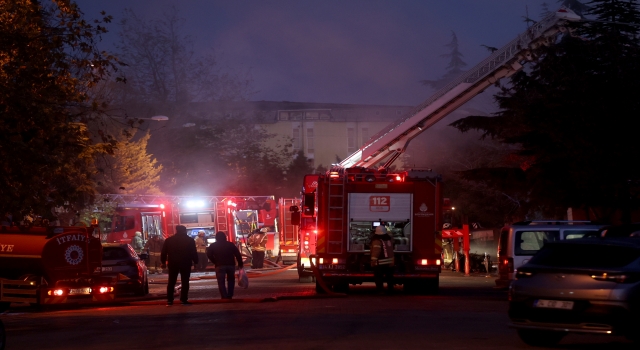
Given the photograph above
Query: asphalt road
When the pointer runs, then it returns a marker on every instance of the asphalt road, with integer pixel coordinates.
(278, 312)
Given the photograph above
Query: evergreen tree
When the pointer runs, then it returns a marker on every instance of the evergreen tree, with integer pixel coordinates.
(296, 171)
(454, 68)
(568, 114)
(130, 169)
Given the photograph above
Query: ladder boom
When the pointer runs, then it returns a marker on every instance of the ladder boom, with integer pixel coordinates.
(394, 139)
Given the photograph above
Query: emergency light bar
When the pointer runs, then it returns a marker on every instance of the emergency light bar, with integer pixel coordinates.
(195, 203)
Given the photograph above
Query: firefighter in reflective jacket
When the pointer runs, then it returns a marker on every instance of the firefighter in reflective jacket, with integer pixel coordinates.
(154, 247)
(137, 243)
(258, 244)
(201, 248)
(382, 259)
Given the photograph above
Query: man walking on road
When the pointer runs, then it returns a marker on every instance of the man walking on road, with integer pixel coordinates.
(223, 254)
(180, 249)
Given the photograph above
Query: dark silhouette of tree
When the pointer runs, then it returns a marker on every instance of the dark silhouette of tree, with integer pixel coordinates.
(49, 64)
(568, 115)
(454, 68)
(162, 66)
(296, 171)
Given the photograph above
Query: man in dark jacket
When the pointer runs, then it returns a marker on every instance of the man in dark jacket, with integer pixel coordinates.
(181, 252)
(224, 255)
(382, 259)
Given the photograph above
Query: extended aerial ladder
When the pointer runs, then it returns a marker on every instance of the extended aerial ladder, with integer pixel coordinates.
(392, 141)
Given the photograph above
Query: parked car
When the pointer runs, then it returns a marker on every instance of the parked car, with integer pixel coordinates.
(583, 286)
(120, 260)
(520, 241)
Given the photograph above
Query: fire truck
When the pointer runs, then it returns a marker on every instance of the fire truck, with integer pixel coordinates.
(360, 193)
(52, 265)
(159, 214)
(289, 233)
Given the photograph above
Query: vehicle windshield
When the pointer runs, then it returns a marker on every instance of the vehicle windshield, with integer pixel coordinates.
(585, 255)
(114, 253)
(529, 242)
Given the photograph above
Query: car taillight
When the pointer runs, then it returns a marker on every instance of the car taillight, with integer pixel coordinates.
(617, 278)
(507, 263)
(424, 262)
(102, 289)
(523, 274)
(56, 292)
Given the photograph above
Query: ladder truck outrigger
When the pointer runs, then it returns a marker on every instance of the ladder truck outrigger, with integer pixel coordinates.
(357, 195)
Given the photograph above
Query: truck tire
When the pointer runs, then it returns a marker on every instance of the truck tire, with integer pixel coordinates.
(299, 266)
(429, 286)
(341, 287)
(3, 336)
(432, 286)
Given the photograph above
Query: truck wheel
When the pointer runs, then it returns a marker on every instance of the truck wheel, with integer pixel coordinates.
(299, 266)
(341, 287)
(540, 338)
(3, 336)
(431, 286)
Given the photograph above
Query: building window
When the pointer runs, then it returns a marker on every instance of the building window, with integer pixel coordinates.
(351, 140)
(365, 135)
(283, 115)
(296, 138)
(310, 147)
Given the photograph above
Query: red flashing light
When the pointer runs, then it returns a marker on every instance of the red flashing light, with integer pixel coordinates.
(161, 206)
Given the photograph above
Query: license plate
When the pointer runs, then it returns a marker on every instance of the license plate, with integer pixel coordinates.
(79, 291)
(107, 268)
(332, 267)
(554, 304)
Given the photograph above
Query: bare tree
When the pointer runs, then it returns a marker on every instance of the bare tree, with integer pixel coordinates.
(162, 66)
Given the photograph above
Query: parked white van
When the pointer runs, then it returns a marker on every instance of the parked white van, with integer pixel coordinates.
(520, 241)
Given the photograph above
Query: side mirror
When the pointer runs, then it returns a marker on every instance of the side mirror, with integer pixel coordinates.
(295, 218)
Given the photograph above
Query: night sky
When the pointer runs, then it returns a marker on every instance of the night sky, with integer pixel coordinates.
(338, 51)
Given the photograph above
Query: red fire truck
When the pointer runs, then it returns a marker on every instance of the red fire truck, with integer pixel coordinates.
(348, 203)
(289, 239)
(151, 214)
(51, 265)
(360, 193)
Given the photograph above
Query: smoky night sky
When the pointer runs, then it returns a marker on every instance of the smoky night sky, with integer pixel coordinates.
(338, 51)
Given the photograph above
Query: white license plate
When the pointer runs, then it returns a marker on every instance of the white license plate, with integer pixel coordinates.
(79, 291)
(554, 304)
(332, 267)
(107, 268)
